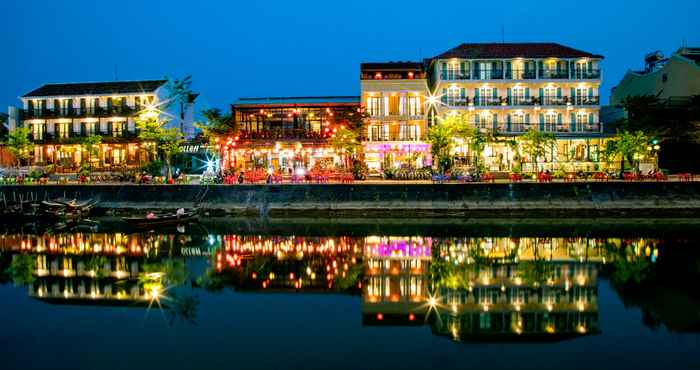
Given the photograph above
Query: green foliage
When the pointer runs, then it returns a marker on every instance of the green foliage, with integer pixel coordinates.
(216, 124)
(19, 144)
(168, 140)
(346, 141)
(440, 138)
(629, 146)
(153, 168)
(21, 269)
(536, 143)
(91, 145)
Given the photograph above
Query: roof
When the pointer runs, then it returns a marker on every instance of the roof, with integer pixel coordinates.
(304, 100)
(515, 50)
(392, 66)
(97, 88)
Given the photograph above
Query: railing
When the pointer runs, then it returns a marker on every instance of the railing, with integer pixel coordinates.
(453, 76)
(409, 137)
(78, 112)
(488, 102)
(586, 100)
(521, 74)
(520, 128)
(299, 134)
(456, 102)
(518, 101)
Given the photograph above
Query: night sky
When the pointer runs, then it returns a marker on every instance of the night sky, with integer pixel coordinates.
(306, 48)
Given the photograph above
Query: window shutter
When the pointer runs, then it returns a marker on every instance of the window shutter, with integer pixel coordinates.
(573, 94)
(56, 105)
(560, 119)
(509, 69)
(476, 97)
(30, 105)
(590, 93)
(477, 67)
(590, 118)
(510, 97)
(444, 96)
(559, 92)
(527, 93)
(495, 93)
(462, 68)
(443, 71)
(527, 119)
(495, 121)
(541, 95)
(590, 67)
(572, 124)
(462, 93)
(541, 122)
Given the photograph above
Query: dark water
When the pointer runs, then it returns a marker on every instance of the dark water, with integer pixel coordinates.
(353, 296)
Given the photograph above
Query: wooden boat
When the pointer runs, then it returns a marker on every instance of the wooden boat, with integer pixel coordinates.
(164, 219)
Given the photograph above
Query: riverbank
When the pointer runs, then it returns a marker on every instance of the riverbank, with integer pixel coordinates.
(583, 199)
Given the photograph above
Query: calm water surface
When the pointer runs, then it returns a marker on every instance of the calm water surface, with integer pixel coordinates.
(350, 298)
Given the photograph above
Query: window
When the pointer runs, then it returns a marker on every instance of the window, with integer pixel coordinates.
(38, 130)
(63, 130)
(518, 123)
(89, 128)
(549, 95)
(408, 132)
(373, 106)
(581, 95)
(550, 122)
(486, 96)
(117, 129)
(517, 95)
(414, 105)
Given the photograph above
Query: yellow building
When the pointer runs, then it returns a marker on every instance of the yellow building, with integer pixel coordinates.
(511, 88)
(677, 77)
(393, 95)
(59, 116)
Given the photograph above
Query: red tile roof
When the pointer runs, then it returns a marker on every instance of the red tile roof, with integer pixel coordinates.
(515, 50)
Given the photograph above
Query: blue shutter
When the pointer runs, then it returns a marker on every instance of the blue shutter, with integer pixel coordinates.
(573, 95)
(509, 69)
(462, 69)
(572, 124)
(476, 70)
(508, 122)
(495, 121)
(590, 93)
(476, 97)
(590, 67)
(541, 122)
(527, 119)
(558, 92)
(590, 118)
(443, 72)
(510, 97)
(495, 93)
(527, 93)
(444, 96)
(560, 119)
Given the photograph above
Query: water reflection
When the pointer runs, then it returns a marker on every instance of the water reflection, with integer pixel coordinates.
(463, 288)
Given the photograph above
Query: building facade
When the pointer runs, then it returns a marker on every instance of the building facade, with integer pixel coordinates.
(60, 116)
(286, 134)
(508, 89)
(669, 79)
(394, 96)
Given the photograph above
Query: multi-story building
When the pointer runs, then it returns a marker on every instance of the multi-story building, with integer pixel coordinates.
(286, 134)
(393, 96)
(59, 116)
(670, 79)
(511, 88)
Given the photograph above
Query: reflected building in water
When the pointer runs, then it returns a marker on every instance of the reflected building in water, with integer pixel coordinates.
(465, 288)
(485, 288)
(99, 268)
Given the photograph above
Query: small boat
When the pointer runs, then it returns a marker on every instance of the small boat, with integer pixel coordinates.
(163, 219)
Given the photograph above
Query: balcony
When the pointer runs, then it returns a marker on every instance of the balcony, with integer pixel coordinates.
(521, 74)
(394, 137)
(396, 117)
(455, 76)
(586, 100)
(488, 74)
(557, 129)
(488, 102)
(281, 134)
(78, 112)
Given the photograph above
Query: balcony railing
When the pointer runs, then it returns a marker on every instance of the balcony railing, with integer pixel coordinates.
(488, 102)
(280, 134)
(520, 128)
(522, 74)
(396, 116)
(407, 137)
(79, 112)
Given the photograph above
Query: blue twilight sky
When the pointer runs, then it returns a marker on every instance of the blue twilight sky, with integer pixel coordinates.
(301, 48)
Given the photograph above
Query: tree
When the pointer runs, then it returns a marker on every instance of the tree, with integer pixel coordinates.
(347, 142)
(179, 92)
(91, 145)
(536, 143)
(19, 144)
(168, 141)
(216, 124)
(3, 127)
(440, 138)
(630, 146)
